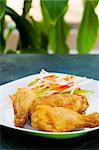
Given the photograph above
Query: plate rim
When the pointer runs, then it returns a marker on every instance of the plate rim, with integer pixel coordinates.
(51, 133)
(27, 76)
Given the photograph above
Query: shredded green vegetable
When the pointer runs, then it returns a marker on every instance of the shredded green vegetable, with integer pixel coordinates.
(41, 93)
(83, 91)
(78, 91)
(33, 82)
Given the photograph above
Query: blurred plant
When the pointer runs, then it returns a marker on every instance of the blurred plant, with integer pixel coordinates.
(89, 27)
(52, 32)
(2, 12)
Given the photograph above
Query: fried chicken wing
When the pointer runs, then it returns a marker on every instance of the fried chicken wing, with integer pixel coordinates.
(22, 101)
(78, 103)
(59, 119)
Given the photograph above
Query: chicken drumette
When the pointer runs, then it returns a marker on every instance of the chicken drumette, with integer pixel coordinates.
(22, 101)
(78, 103)
(59, 119)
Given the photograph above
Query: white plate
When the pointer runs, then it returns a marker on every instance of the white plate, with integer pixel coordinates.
(7, 115)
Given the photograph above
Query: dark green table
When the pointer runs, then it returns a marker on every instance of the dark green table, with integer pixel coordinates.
(13, 67)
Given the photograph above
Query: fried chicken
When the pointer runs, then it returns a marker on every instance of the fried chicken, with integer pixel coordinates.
(78, 103)
(22, 101)
(59, 119)
(56, 112)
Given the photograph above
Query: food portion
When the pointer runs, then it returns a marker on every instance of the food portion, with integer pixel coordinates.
(22, 101)
(55, 103)
(59, 119)
(78, 103)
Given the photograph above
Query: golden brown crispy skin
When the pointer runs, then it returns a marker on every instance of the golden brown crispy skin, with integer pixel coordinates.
(22, 102)
(59, 119)
(78, 103)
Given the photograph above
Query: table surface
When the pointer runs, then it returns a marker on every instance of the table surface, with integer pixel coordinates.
(13, 67)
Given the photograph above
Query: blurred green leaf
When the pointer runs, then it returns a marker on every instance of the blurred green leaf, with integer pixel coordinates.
(2, 8)
(11, 51)
(39, 51)
(26, 7)
(24, 51)
(2, 12)
(44, 40)
(46, 19)
(11, 26)
(41, 33)
(27, 32)
(2, 44)
(54, 9)
(2, 41)
(88, 30)
(57, 37)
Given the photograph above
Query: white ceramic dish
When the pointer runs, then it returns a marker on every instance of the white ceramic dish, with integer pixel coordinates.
(7, 116)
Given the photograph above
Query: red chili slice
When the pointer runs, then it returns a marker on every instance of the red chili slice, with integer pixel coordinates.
(63, 87)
